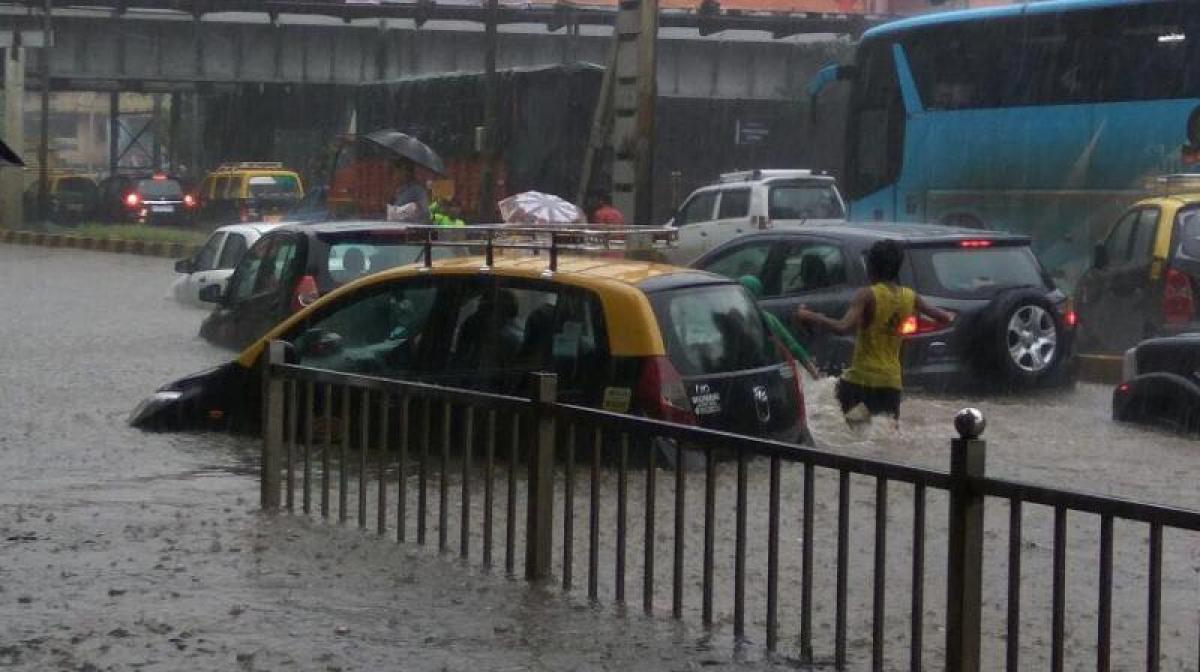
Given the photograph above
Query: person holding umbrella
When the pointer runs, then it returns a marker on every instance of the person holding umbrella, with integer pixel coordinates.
(412, 193)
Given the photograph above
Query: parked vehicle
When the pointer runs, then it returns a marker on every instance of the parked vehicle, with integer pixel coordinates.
(249, 191)
(1143, 279)
(1160, 383)
(749, 201)
(292, 265)
(214, 263)
(1012, 326)
(155, 198)
(70, 198)
(637, 337)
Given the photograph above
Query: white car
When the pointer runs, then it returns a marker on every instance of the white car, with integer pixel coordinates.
(214, 263)
(756, 200)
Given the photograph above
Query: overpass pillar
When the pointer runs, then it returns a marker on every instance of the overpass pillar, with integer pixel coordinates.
(12, 127)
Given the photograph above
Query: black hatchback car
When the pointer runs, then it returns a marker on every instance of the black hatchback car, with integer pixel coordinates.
(147, 199)
(1160, 384)
(293, 265)
(1012, 325)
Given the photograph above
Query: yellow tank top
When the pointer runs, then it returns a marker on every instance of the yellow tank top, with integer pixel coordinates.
(876, 359)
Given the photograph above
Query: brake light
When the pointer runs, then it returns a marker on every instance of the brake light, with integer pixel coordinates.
(306, 292)
(914, 325)
(189, 200)
(660, 392)
(1179, 306)
(132, 200)
(160, 176)
(974, 243)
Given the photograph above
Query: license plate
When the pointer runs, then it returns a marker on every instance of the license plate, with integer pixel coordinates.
(162, 208)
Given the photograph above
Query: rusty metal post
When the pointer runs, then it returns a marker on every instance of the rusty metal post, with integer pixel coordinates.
(539, 525)
(272, 447)
(964, 566)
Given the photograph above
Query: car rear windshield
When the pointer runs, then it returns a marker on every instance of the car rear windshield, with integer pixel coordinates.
(975, 272)
(274, 185)
(160, 189)
(804, 200)
(713, 329)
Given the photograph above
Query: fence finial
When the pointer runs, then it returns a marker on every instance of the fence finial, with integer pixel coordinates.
(970, 423)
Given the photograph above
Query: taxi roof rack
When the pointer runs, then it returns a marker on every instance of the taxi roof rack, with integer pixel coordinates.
(249, 165)
(532, 237)
(1176, 183)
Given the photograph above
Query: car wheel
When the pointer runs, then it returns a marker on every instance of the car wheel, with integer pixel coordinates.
(1022, 338)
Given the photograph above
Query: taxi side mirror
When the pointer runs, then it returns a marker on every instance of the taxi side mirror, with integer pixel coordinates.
(211, 294)
(1099, 257)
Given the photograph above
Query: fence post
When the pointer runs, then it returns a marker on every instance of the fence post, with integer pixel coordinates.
(539, 522)
(272, 446)
(964, 567)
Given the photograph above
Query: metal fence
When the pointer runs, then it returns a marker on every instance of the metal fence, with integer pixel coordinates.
(384, 447)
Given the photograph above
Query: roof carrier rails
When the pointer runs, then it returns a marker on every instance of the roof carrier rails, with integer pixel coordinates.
(553, 238)
(250, 165)
(1165, 185)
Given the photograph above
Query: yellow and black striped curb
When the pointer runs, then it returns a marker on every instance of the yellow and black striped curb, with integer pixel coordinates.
(142, 247)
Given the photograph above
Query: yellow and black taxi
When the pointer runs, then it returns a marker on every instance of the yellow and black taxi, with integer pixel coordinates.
(249, 191)
(628, 336)
(70, 197)
(1143, 279)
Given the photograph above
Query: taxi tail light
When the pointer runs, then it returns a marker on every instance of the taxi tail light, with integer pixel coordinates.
(306, 292)
(1179, 305)
(189, 200)
(801, 412)
(918, 325)
(661, 393)
(132, 200)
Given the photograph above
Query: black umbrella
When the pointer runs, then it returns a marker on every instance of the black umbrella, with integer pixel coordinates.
(408, 147)
(8, 156)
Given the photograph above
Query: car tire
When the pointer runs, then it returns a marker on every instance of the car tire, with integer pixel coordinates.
(1021, 338)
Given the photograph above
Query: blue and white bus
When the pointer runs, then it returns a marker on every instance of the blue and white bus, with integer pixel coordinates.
(1044, 118)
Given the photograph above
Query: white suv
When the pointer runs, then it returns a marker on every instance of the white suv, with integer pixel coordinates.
(749, 201)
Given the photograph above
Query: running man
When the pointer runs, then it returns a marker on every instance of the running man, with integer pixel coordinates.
(872, 384)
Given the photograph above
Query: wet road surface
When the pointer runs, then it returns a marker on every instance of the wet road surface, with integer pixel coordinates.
(124, 549)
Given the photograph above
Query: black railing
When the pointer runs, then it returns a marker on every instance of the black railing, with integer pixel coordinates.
(545, 453)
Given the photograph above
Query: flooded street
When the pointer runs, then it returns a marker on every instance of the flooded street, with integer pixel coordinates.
(125, 550)
(122, 550)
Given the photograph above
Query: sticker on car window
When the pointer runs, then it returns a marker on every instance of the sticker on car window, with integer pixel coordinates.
(616, 399)
(705, 401)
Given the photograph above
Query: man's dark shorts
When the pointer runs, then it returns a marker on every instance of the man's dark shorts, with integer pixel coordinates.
(878, 400)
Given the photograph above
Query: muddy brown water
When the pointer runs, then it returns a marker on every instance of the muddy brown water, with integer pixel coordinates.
(123, 550)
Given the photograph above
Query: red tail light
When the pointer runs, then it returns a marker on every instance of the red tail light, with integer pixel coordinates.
(1179, 306)
(660, 392)
(915, 325)
(306, 292)
(975, 243)
(189, 200)
(132, 200)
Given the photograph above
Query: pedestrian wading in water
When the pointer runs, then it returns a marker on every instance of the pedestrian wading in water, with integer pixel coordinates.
(872, 385)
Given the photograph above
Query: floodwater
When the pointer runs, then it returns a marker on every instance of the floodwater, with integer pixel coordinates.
(122, 550)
